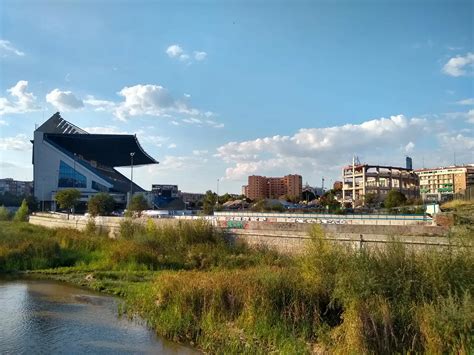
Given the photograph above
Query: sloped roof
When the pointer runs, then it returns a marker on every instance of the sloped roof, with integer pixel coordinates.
(108, 149)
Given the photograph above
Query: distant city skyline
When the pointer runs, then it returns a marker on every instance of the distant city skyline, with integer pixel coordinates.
(227, 90)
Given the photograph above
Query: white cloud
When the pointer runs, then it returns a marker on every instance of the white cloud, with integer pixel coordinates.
(174, 51)
(319, 147)
(409, 147)
(99, 105)
(457, 141)
(459, 65)
(105, 130)
(467, 102)
(178, 163)
(64, 100)
(177, 52)
(7, 48)
(152, 100)
(23, 101)
(200, 56)
(470, 116)
(3, 123)
(200, 152)
(20, 142)
(171, 146)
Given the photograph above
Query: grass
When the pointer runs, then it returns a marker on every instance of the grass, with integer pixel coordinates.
(191, 286)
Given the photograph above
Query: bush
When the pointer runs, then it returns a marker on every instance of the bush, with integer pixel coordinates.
(394, 199)
(138, 204)
(21, 214)
(68, 198)
(5, 214)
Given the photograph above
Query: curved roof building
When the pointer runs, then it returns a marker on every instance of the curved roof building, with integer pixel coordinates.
(66, 156)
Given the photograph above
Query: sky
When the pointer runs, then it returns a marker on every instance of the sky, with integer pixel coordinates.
(217, 91)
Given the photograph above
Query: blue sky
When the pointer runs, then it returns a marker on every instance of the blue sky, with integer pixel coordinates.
(223, 90)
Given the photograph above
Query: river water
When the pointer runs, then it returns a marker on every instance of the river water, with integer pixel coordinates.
(44, 317)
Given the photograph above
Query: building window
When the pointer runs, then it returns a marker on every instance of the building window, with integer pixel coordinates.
(68, 177)
(99, 187)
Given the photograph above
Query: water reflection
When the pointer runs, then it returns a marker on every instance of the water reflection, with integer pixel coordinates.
(49, 317)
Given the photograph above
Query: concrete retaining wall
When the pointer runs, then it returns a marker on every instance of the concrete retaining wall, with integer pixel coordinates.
(283, 236)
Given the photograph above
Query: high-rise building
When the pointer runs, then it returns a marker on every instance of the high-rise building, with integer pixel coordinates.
(273, 187)
(439, 184)
(409, 163)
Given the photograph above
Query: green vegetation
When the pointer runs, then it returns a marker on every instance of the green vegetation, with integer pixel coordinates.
(5, 214)
(190, 285)
(138, 204)
(209, 202)
(67, 199)
(21, 214)
(101, 204)
(394, 199)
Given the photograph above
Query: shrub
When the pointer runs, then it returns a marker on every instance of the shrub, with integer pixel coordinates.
(394, 199)
(5, 214)
(138, 204)
(21, 214)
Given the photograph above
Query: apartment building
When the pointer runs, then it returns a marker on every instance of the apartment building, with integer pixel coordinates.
(439, 184)
(15, 187)
(273, 187)
(362, 179)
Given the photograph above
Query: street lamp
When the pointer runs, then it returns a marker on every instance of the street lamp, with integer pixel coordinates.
(131, 178)
(217, 201)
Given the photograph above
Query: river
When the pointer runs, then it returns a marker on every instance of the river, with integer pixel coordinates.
(38, 316)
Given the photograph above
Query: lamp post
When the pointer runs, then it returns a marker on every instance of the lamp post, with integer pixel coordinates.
(74, 177)
(217, 201)
(131, 178)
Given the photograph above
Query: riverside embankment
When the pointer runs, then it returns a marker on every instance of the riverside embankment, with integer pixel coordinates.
(192, 286)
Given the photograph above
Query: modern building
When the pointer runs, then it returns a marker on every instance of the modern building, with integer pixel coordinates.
(440, 184)
(360, 180)
(15, 187)
(66, 156)
(166, 197)
(273, 187)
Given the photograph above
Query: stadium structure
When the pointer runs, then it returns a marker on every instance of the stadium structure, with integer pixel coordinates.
(66, 156)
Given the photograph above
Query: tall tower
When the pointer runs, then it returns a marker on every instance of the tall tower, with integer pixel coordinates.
(409, 163)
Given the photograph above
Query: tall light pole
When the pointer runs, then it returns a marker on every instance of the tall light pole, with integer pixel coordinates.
(74, 178)
(131, 178)
(217, 201)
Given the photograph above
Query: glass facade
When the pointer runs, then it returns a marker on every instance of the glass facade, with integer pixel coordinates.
(68, 177)
(99, 187)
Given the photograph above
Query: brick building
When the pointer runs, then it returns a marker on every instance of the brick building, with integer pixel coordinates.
(273, 187)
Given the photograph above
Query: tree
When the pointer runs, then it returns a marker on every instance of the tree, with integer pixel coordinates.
(329, 200)
(101, 204)
(4, 214)
(394, 199)
(209, 202)
(21, 214)
(68, 198)
(371, 198)
(138, 204)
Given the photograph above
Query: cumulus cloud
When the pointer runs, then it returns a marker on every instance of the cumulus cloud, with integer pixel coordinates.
(172, 146)
(20, 142)
(318, 147)
(21, 100)
(459, 65)
(177, 52)
(64, 100)
(105, 130)
(178, 163)
(450, 141)
(3, 123)
(174, 51)
(7, 48)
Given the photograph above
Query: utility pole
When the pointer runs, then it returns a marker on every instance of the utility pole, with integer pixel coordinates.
(217, 201)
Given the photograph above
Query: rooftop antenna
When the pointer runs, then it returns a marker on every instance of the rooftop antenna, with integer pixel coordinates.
(322, 183)
(454, 153)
